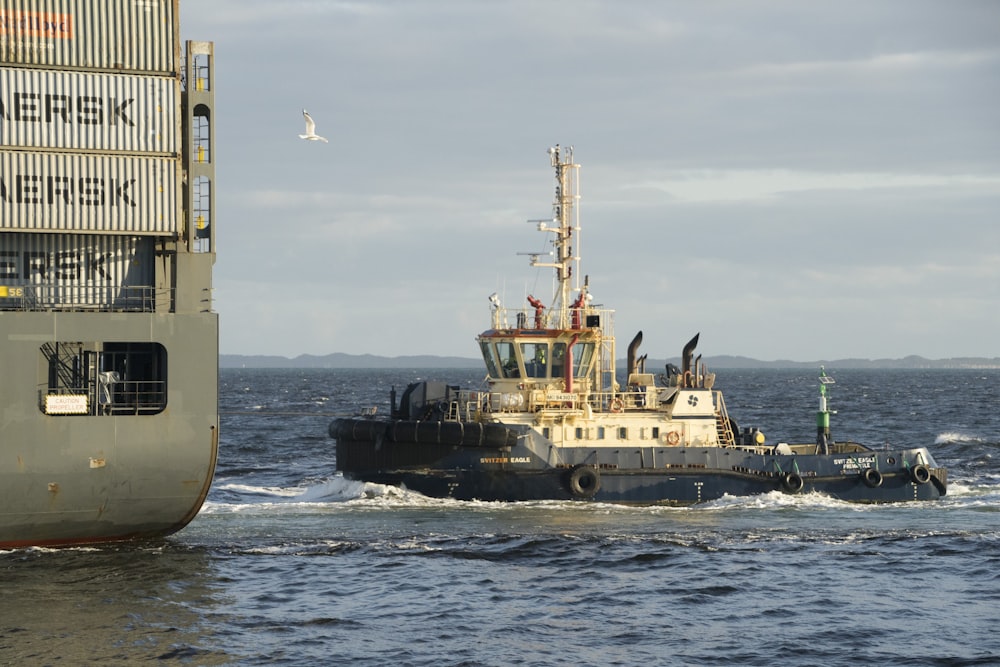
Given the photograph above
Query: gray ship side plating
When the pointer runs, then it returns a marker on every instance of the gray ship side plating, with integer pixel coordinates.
(68, 478)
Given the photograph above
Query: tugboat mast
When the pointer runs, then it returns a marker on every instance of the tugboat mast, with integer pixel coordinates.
(566, 215)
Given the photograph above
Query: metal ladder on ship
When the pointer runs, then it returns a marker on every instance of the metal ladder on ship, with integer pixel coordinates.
(722, 424)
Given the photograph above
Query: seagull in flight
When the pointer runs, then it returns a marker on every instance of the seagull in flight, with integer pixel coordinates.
(311, 129)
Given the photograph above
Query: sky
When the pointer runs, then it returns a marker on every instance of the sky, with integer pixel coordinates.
(795, 181)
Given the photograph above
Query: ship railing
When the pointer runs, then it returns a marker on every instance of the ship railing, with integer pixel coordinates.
(552, 318)
(136, 397)
(34, 298)
(467, 404)
(124, 397)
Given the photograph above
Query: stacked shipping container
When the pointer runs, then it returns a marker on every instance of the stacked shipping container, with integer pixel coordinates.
(90, 147)
(138, 36)
(88, 111)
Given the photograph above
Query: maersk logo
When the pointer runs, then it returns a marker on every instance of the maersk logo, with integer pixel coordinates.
(77, 265)
(68, 265)
(22, 107)
(64, 190)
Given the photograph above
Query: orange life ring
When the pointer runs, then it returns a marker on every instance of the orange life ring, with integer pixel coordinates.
(617, 405)
(673, 438)
(687, 379)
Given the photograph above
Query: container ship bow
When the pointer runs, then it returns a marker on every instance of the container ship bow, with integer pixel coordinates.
(108, 338)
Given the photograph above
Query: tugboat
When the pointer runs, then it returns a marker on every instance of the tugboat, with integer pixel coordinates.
(552, 423)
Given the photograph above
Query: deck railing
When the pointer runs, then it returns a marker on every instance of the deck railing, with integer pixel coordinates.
(467, 403)
(84, 298)
(125, 397)
(549, 318)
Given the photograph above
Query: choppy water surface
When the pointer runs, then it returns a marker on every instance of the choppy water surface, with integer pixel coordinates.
(289, 563)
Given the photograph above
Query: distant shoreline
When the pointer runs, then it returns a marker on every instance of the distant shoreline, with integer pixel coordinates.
(340, 360)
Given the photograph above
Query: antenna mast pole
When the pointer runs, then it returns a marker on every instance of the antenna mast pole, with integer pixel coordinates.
(566, 215)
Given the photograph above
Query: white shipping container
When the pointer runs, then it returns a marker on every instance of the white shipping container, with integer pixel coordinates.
(119, 35)
(62, 192)
(76, 270)
(88, 111)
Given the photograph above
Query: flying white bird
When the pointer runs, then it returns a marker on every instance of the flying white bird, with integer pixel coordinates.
(311, 129)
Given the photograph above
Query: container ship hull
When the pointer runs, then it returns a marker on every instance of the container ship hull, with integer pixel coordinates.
(129, 469)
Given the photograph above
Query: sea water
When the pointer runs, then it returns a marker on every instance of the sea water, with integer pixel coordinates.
(290, 564)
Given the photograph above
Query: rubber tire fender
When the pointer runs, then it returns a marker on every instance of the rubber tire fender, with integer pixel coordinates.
(584, 481)
(872, 478)
(792, 482)
(920, 474)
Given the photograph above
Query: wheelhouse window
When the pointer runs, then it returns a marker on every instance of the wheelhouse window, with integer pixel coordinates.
(103, 378)
(501, 359)
(583, 357)
(490, 357)
(536, 357)
(558, 359)
(507, 356)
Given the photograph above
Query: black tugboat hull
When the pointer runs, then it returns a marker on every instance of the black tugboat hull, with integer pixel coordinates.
(635, 487)
(510, 469)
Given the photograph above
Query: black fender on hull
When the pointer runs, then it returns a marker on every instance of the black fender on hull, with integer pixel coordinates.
(872, 478)
(463, 434)
(792, 482)
(584, 481)
(920, 474)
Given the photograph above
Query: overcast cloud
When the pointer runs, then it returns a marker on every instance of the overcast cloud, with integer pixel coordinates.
(793, 180)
